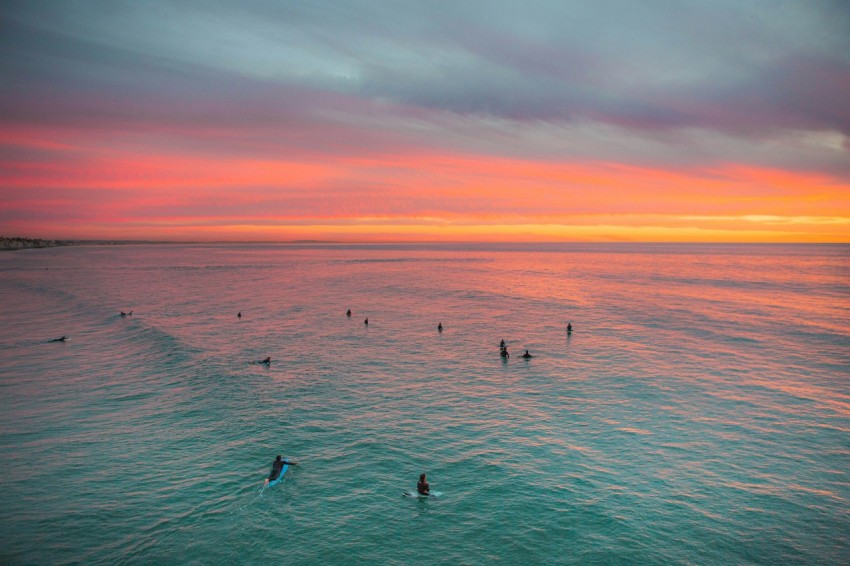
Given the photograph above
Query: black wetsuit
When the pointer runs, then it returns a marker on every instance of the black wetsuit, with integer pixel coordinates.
(423, 488)
(277, 466)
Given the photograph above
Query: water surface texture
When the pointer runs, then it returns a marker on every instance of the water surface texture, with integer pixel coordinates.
(699, 412)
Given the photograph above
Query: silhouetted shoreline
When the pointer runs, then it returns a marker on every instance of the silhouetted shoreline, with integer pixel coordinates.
(18, 243)
(11, 244)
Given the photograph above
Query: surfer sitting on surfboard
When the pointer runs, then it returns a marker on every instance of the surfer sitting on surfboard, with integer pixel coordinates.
(422, 487)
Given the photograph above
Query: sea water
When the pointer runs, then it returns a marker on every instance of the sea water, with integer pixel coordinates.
(699, 413)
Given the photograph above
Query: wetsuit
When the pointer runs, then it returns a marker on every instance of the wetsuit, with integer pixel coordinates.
(423, 488)
(277, 466)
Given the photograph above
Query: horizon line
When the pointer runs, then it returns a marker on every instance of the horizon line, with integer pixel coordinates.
(110, 241)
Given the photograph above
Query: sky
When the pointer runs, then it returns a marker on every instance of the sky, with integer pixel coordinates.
(561, 120)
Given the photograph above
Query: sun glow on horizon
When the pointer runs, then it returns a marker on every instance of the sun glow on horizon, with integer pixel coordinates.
(444, 198)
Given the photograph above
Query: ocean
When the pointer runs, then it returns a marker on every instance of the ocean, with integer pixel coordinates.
(699, 413)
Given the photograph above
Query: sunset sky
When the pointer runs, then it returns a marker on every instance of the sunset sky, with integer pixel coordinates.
(557, 120)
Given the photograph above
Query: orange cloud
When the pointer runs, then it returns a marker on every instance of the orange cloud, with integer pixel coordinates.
(114, 193)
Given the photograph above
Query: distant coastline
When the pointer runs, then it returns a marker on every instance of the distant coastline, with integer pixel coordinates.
(10, 244)
(19, 243)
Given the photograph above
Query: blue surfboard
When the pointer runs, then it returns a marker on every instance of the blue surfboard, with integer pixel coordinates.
(417, 494)
(280, 475)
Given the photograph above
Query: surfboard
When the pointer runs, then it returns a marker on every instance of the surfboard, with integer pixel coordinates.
(280, 475)
(417, 494)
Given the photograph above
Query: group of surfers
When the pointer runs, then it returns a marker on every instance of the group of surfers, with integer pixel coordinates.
(503, 349)
(422, 486)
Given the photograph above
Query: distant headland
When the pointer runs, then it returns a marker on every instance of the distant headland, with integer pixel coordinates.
(29, 243)
(18, 243)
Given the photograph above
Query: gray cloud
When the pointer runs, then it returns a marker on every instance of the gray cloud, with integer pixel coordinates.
(748, 71)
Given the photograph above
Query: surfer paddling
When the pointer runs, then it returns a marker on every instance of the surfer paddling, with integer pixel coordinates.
(277, 468)
(58, 339)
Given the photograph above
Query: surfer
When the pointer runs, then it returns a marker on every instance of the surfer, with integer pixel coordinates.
(126, 313)
(348, 313)
(239, 314)
(504, 353)
(277, 466)
(422, 487)
(526, 355)
(569, 328)
(366, 322)
(58, 339)
(440, 327)
(267, 361)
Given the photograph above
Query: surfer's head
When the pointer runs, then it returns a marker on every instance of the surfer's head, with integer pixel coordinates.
(278, 458)
(421, 477)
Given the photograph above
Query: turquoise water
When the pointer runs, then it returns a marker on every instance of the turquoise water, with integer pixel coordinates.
(699, 413)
